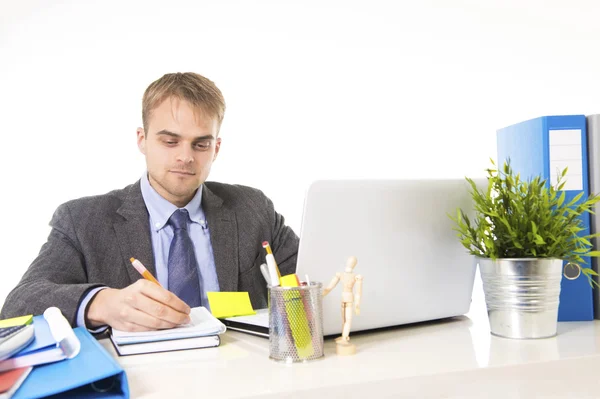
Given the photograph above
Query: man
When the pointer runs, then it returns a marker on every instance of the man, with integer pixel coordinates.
(194, 236)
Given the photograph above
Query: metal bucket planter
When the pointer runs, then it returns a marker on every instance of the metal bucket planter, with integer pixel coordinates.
(522, 296)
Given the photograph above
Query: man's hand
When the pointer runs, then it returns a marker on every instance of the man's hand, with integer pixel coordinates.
(142, 306)
(357, 309)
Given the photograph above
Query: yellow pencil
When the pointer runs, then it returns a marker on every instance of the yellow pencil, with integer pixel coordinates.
(143, 271)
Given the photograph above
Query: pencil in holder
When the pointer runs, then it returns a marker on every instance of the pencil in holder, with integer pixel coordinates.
(296, 323)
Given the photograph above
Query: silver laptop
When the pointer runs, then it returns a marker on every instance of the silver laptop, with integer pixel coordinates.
(413, 266)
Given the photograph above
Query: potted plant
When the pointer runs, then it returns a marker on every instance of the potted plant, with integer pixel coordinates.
(521, 233)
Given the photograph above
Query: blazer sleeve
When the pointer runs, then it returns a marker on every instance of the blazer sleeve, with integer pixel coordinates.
(57, 277)
(284, 242)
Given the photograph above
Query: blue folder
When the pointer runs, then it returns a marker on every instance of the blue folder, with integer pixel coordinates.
(93, 373)
(42, 340)
(529, 147)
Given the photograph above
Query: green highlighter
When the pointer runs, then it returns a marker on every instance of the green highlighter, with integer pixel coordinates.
(297, 318)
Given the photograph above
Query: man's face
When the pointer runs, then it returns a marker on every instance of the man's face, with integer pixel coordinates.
(180, 147)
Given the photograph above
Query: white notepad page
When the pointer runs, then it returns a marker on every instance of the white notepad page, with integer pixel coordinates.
(202, 323)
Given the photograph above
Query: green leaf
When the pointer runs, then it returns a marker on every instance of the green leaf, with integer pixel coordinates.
(561, 199)
(575, 199)
(564, 172)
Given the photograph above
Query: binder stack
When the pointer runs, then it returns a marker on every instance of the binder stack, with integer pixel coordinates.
(593, 131)
(543, 147)
(90, 373)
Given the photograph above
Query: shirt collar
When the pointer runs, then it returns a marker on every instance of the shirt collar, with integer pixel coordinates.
(160, 209)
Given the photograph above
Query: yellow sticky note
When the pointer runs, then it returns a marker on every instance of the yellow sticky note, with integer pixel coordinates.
(230, 304)
(16, 321)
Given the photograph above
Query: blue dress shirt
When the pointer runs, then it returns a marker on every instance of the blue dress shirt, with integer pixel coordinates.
(160, 210)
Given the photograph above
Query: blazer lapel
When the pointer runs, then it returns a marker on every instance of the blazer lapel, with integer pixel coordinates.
(224, 239)
(133, 232)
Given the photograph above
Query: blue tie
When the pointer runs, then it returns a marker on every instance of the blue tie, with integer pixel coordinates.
(182, 264)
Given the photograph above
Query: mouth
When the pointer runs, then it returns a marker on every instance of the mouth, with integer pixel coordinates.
(182, 172)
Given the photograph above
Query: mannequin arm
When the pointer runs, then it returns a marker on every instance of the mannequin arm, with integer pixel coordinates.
(332, 284)
(359, 284)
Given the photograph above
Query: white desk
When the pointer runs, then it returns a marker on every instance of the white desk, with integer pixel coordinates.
(456, 358)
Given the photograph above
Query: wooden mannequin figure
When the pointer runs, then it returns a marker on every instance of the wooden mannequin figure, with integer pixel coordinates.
(349, 300)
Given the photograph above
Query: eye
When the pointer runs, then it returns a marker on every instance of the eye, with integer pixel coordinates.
(203, 145)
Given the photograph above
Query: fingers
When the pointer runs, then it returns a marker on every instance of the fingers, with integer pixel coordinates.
(137, 320)
(147, 312)
(163, 296)
(157, 314)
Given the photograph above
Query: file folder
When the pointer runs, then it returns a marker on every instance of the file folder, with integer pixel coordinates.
(543, 146)
(42, 349)
(593, 132)
(93, 373)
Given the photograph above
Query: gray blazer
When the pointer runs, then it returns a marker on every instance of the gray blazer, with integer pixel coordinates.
(92, 239)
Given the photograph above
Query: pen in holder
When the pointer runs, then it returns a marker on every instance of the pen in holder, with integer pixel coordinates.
(296, 323)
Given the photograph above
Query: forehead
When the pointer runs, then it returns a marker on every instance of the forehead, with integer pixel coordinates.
(179, 116)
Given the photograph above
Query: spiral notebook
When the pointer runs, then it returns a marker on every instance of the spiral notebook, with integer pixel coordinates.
(202, 332)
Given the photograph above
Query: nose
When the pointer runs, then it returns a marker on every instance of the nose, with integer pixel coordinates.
(186, 155)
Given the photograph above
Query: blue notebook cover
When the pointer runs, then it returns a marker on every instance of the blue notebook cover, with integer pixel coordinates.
(93, 373)
(540, 146)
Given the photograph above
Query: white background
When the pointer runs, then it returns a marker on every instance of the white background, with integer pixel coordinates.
(314, 89)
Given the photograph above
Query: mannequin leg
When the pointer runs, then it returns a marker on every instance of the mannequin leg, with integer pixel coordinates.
(347, 322)
(341, 338)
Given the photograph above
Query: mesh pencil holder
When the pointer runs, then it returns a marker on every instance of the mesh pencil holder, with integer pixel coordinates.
(296, 323)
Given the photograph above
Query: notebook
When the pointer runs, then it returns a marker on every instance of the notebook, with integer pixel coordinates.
(202, 332)
(11, 380)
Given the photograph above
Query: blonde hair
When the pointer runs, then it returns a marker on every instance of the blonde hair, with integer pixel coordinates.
(199, 91)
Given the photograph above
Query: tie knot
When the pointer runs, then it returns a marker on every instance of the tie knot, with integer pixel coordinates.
(179, 219)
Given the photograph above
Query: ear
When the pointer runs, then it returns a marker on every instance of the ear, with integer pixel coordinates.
(217, 148)
(141, 140)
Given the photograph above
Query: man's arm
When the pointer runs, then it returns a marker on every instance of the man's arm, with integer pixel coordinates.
(57, 277)
(285, 243)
